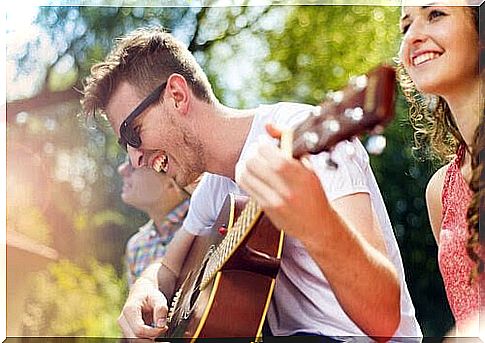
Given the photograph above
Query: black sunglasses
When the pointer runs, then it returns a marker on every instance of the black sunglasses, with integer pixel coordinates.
(128, 135)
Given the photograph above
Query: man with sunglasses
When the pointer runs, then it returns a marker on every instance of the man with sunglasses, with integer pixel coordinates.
(165, 203)
(341, 272)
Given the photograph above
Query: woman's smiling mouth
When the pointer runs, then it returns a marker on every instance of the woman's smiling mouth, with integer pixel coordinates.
(424, 57)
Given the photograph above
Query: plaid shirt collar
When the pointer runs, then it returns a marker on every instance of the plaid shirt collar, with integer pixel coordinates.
(173, 220)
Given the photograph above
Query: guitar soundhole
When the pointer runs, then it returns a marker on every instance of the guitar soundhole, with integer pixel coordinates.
(196, 286)
(196, 290)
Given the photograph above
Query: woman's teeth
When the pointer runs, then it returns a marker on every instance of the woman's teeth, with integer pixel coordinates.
(425, 58)
(161, 164)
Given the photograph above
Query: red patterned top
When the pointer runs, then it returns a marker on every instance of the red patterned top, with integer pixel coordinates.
(454, 263)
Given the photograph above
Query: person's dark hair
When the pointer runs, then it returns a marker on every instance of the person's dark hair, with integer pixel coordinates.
(475, 240)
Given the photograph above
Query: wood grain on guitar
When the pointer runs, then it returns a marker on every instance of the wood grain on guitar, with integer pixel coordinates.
(228, 278)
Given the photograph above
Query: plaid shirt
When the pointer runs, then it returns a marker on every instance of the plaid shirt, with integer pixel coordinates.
(149, 244)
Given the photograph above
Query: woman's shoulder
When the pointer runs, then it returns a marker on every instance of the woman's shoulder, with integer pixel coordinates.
(434, 192)
(437, 180)
(436, 184)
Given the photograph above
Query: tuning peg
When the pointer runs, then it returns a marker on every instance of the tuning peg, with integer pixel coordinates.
(376, 144)
(311, 139)
(331, 125)
(356, 114)
(317, 111)
(359, 82)
(336, 97)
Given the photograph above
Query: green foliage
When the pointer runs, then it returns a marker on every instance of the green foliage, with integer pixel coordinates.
(73, 300)
(322, 46)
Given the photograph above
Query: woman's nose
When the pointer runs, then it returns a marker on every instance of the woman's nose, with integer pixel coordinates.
(125, 168)
(415, 35)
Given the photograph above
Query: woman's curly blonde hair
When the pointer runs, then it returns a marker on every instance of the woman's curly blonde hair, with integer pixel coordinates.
(434, 127)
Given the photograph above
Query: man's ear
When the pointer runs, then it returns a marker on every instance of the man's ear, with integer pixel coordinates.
(179, 93)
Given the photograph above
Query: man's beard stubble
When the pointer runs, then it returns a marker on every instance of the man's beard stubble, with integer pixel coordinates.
(193, 149)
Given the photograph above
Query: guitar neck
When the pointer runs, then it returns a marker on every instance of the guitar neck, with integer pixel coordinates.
(233, 239)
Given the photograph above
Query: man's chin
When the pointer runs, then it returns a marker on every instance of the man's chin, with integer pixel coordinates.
(181, 182)
(191, 186)
(187, 182)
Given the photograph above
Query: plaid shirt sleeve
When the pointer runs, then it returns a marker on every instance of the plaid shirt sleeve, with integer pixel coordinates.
(148, 245)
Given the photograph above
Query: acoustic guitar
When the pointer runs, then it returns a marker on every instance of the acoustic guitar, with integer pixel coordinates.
(227, 280)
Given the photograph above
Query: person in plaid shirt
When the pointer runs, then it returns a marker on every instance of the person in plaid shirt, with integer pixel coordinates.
(164, 202)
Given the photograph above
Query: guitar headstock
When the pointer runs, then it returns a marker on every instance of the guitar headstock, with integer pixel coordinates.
(365, 104)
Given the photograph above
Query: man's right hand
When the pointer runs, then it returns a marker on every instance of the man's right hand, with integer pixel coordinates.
(144, 314)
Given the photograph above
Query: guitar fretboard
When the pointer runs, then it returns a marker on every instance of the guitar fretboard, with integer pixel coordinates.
(231, 241)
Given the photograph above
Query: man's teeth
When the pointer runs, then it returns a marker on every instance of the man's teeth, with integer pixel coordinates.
(425, 58)
(161, 164)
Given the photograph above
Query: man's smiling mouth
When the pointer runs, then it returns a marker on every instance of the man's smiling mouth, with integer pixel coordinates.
(160, 164)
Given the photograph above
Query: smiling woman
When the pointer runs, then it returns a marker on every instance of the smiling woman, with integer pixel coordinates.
(439, 76)
(439, 58)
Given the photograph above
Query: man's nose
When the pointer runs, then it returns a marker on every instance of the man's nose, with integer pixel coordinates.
(136, 157)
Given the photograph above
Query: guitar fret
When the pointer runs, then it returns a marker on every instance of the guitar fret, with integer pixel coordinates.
(249, 219)
(246, 221)
(232, 239)
(223, 253)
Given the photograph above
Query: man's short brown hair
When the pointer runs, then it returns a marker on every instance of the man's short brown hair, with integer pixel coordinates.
(144, 58)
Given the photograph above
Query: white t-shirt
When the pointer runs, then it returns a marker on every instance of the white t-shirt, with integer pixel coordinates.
(303, 299)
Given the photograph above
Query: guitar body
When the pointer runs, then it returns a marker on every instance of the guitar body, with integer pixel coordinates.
(234, 303)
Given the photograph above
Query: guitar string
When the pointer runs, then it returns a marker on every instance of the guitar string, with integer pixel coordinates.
(224, 250)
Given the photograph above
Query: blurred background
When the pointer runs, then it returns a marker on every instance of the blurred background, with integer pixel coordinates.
(66, 224)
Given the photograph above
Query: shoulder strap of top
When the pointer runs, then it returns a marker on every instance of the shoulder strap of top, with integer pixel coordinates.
(460, 155)
(451, 173)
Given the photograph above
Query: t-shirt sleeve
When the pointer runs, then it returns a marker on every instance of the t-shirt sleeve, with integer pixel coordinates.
(299, 112)
(351, 174)
(205, 204)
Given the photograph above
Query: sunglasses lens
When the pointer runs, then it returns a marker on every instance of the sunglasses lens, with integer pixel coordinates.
(133, 139)
(122, 144)
(130, 137)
